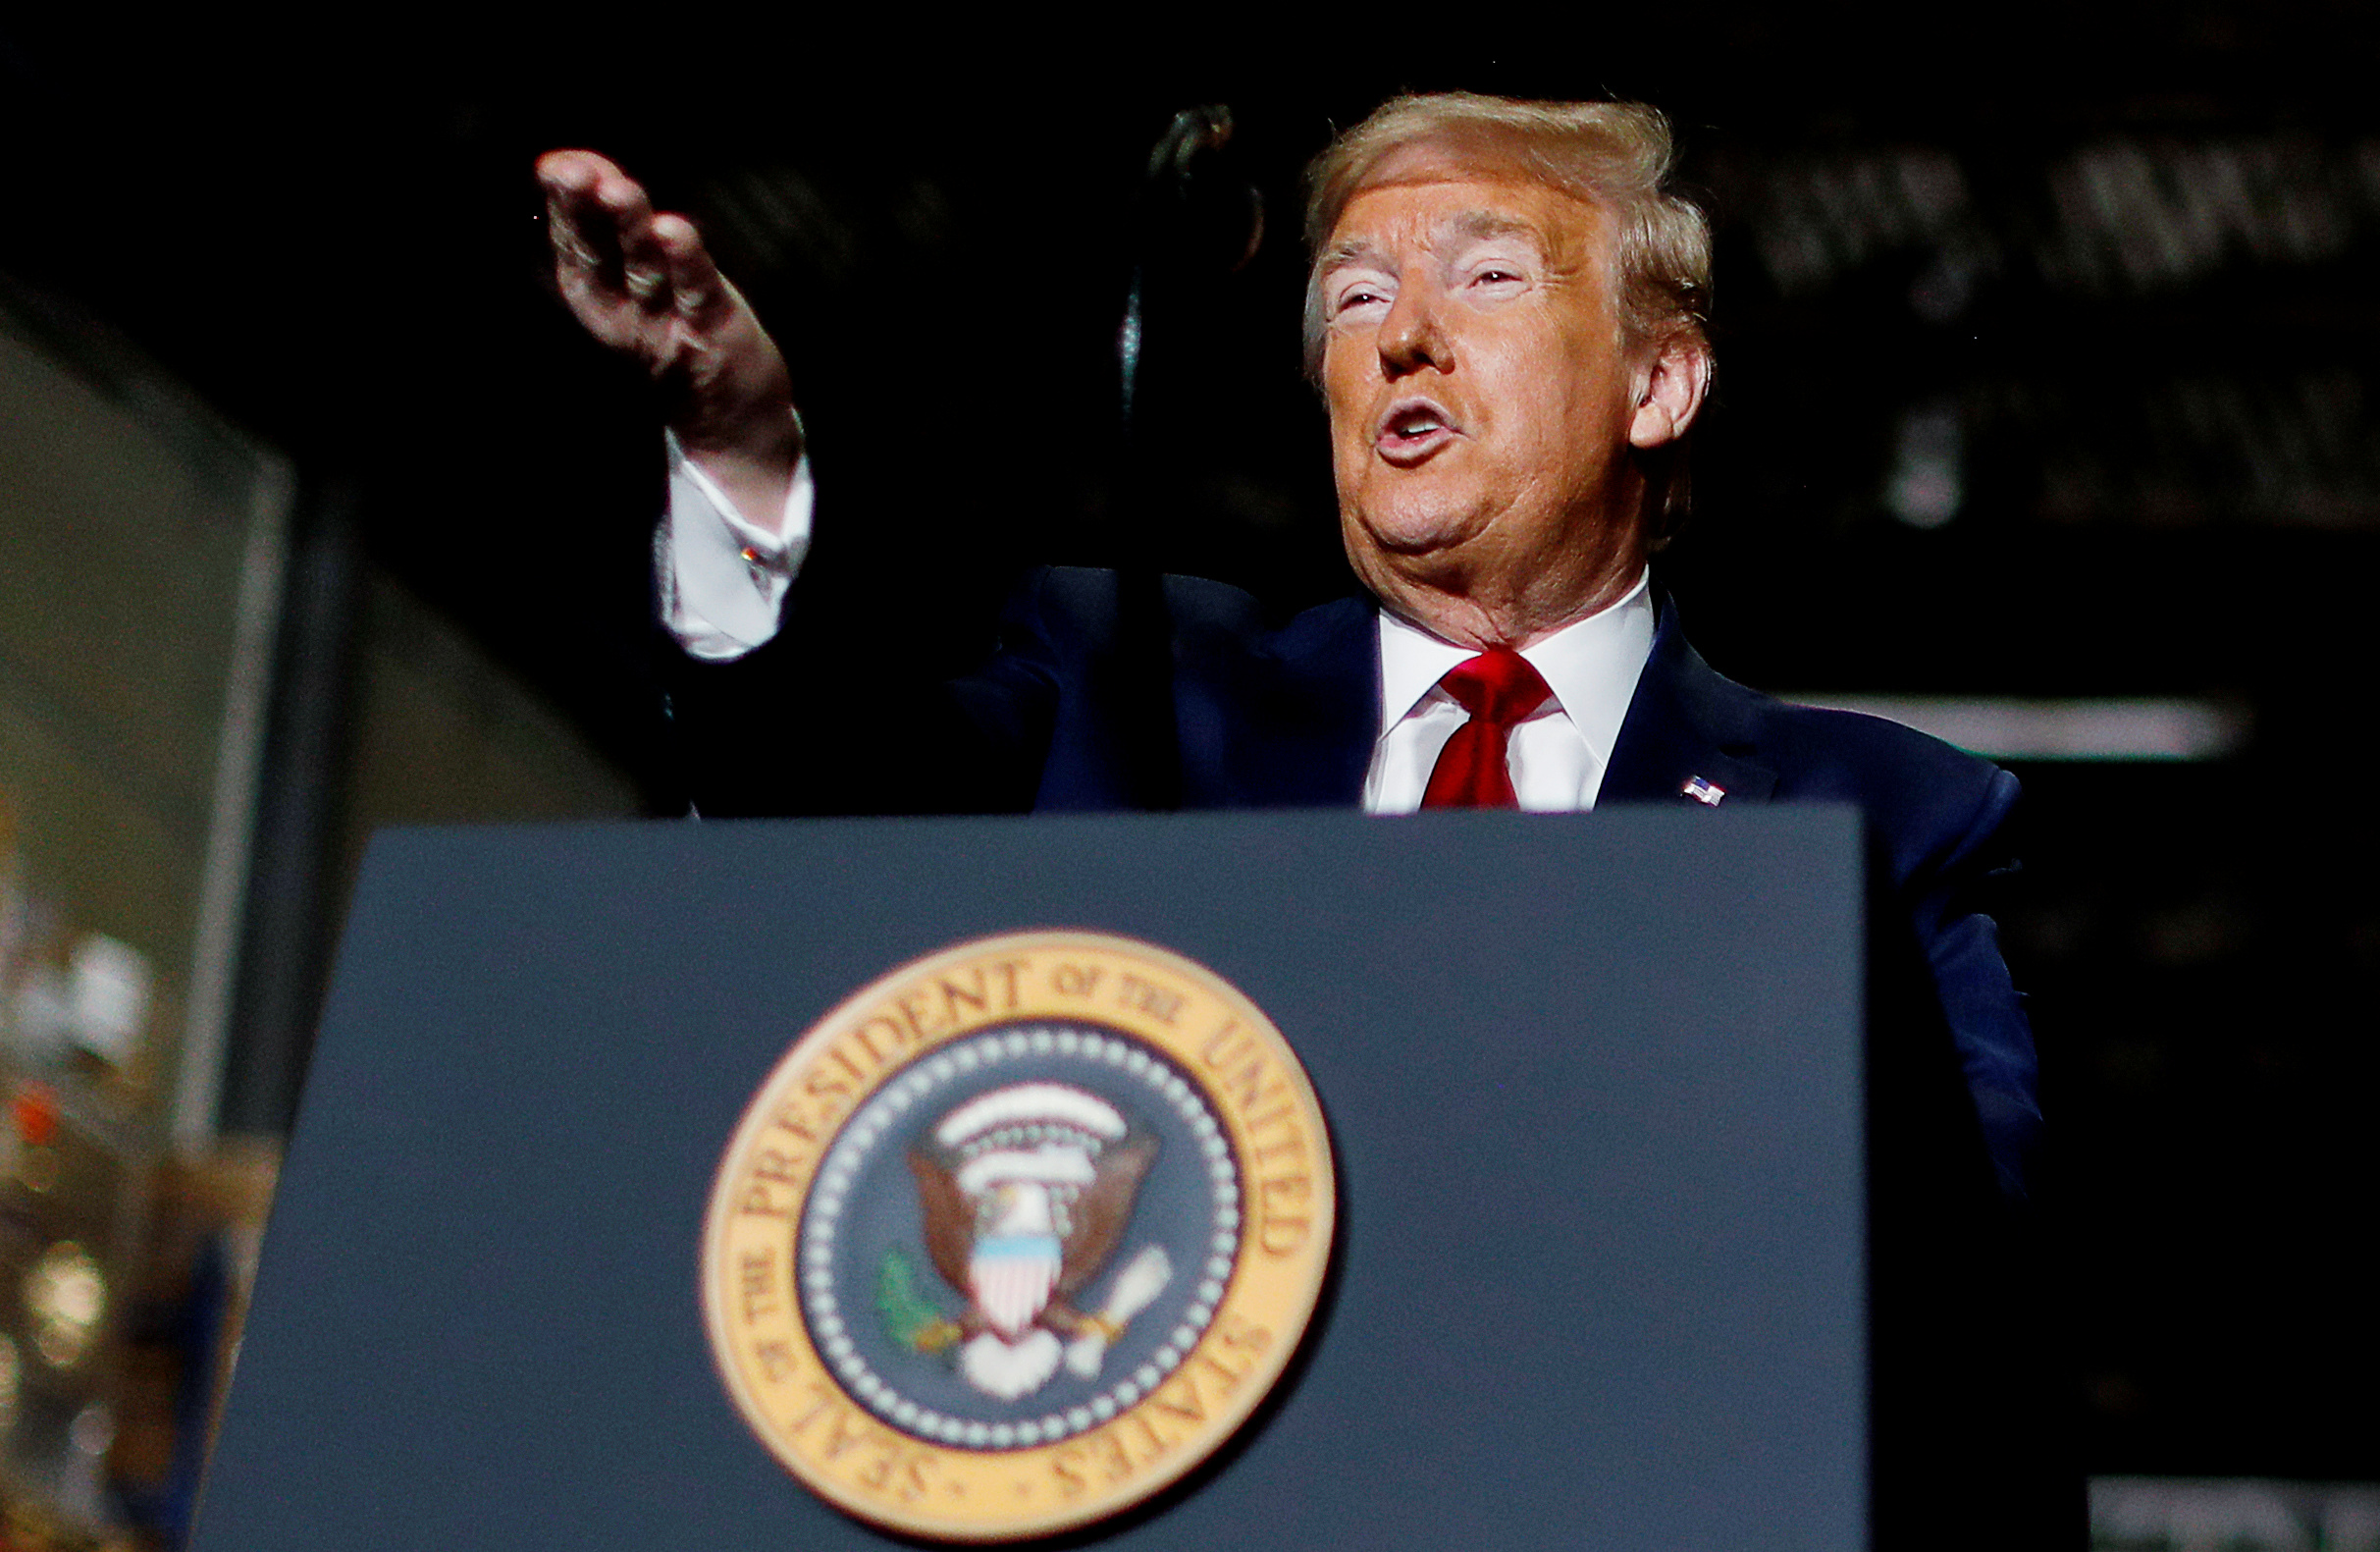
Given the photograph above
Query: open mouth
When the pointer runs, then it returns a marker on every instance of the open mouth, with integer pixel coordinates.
(1413, 430)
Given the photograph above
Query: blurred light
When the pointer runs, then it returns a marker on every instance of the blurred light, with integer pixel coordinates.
(2246, 1515)
(66, 1297)
(110, 998)
(1925, 489)
(2031, 729)
(2128, 212)
(2160, 213)
(1817, 217)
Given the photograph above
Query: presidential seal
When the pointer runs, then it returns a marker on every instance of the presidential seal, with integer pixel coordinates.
(1018, 1235)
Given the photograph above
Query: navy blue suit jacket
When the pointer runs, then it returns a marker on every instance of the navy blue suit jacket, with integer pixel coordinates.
(1270, 716)
(1287, 715)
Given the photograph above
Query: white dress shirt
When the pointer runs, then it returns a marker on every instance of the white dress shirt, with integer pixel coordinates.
(1558, 753)
(723, 580)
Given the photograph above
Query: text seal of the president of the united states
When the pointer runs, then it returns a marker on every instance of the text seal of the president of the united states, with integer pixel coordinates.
(1018, 1235)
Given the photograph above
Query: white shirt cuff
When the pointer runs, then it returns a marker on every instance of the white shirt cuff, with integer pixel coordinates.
(722, 578)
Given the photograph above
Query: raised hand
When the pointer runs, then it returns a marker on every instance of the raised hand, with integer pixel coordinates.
(643, 284)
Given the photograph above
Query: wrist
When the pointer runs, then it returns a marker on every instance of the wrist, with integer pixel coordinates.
(735, 401)
(766, 435)
(753, 468)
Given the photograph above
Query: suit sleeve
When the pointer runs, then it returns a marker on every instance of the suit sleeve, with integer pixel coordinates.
(829, 718)
(1972, 1379)
(1949, 897)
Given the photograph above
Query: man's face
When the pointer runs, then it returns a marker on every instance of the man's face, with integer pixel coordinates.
(1482, 400)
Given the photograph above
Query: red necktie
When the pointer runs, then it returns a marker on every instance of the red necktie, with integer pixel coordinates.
(1498, 688)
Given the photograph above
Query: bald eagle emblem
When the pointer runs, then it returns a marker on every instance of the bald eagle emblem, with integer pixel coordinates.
(1026, 1193)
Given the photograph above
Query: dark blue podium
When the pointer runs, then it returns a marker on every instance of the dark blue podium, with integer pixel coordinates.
(1593, 1084)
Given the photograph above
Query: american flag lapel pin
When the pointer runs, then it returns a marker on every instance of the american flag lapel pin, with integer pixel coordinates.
(1706, 794)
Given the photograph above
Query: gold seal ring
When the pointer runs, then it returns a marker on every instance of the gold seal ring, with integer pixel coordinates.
(1018, 1235)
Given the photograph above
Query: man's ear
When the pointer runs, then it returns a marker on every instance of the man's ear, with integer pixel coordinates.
(1670, 390)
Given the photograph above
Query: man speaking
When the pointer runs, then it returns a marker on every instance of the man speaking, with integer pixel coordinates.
(1505, 316)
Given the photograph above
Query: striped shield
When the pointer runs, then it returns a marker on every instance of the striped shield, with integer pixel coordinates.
(1010, 1276)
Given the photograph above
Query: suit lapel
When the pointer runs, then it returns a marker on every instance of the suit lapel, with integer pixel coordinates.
(1298, 728)
(1298, 731)
(1686, 722)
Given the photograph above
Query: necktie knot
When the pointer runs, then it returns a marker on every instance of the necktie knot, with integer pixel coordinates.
(1498, 687)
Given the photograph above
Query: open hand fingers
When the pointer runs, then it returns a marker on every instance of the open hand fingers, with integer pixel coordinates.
(644, 258)
(601, 226)
(693, 285)
(586, 242)
(644, 284)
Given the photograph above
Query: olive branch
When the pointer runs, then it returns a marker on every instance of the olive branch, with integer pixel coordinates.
(910, 1318)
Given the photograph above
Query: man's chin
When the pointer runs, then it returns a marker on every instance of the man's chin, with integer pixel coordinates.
(1411, 574)
(1413, 533)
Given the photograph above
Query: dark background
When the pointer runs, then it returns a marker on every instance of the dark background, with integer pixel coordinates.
(2046, 341)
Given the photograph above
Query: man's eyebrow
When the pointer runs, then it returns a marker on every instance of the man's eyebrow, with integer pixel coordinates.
(1469, 225)
(1352, 250)
(1477, 224)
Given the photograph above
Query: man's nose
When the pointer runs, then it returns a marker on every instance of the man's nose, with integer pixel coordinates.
(1411, 335)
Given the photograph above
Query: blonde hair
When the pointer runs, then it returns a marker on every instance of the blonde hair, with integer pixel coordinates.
(1616, 155)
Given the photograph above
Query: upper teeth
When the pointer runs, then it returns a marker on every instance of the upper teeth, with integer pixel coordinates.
(1416, 425)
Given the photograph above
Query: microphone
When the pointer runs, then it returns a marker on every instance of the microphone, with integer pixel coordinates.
(1197, 218)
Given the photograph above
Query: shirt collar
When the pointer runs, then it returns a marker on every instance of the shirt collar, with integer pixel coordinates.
(1591, 666)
